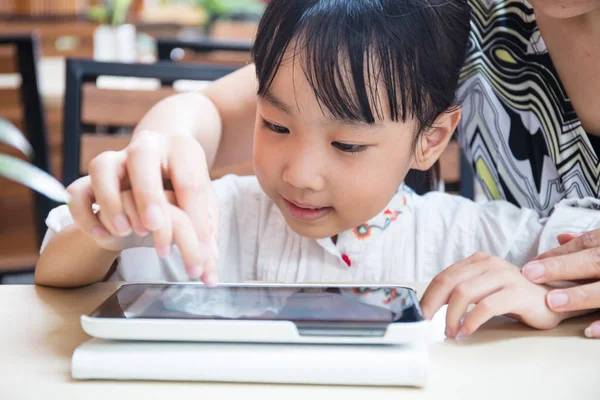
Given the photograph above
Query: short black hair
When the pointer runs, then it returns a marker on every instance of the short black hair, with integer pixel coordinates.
(414, 49)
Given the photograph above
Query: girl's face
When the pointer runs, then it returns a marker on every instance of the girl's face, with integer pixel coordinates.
(325, 175)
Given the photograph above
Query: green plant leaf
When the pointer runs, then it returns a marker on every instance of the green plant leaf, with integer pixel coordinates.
(120, 11)
(226, 7)
(98, 14)
(12, 136)
(26, 174)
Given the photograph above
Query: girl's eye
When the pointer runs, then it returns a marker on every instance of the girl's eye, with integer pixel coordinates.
(349, 148)
(275, 128)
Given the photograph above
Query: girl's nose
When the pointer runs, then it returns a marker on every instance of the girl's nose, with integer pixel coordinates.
(304, 169)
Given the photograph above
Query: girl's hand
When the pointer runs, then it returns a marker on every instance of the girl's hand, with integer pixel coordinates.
(129, 188)
(80, 205)
(496, 287)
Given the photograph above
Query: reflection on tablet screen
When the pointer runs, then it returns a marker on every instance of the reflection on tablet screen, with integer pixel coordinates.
(358, 304)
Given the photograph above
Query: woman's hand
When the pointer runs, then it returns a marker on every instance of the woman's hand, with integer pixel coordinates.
(577, 259)
(128, 186)
(496, 287)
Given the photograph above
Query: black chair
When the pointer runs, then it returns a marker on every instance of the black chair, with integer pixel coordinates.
(173, 49)
(34, 121)
(467, 178)
(80, 71)
(423, 182)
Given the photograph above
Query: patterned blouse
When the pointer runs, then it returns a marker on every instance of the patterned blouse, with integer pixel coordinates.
(519, 129)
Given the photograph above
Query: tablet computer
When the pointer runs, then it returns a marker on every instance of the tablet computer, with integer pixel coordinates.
(275, 313)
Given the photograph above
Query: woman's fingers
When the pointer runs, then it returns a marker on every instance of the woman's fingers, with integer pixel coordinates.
(82, 199)
(583, 241)
(583, 297)
(106, 173)
(565, 238)
(584, 264)
(593, 331)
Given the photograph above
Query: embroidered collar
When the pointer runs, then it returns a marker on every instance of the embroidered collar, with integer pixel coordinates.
(376, 226)
(400, 203)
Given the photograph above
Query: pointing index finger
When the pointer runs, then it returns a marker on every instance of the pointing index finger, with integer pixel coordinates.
(586, 240)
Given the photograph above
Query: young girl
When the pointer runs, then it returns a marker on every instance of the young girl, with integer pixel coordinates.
(351, 95)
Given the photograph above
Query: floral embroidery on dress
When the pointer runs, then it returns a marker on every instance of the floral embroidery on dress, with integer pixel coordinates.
(364, 231)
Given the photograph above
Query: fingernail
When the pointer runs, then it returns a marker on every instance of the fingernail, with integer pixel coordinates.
(211, 279)
(533, 270)
(463, 332)
(154, 217)
(447, 332)
(558, 299)
(99, 232)
(122, 225)
(142, 232)
(196, 271)
(592, 331)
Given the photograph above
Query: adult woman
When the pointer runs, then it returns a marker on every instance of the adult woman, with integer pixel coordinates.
(530, 125)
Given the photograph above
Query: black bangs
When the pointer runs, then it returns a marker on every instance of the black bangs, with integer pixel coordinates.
(368, 60)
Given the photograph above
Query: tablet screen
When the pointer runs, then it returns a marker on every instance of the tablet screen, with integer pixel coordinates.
(317, 304)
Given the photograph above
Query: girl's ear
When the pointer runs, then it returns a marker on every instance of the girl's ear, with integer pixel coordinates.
(435, 140)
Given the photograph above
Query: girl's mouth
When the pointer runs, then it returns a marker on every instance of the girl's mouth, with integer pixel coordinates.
(305, 212)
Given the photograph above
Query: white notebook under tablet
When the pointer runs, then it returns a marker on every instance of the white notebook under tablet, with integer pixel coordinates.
(369, 365)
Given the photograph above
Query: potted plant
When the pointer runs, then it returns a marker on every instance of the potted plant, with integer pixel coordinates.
(114, 39)
(246, 10)
(24, 173)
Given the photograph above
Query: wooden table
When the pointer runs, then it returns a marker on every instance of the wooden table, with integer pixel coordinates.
(39, 330)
